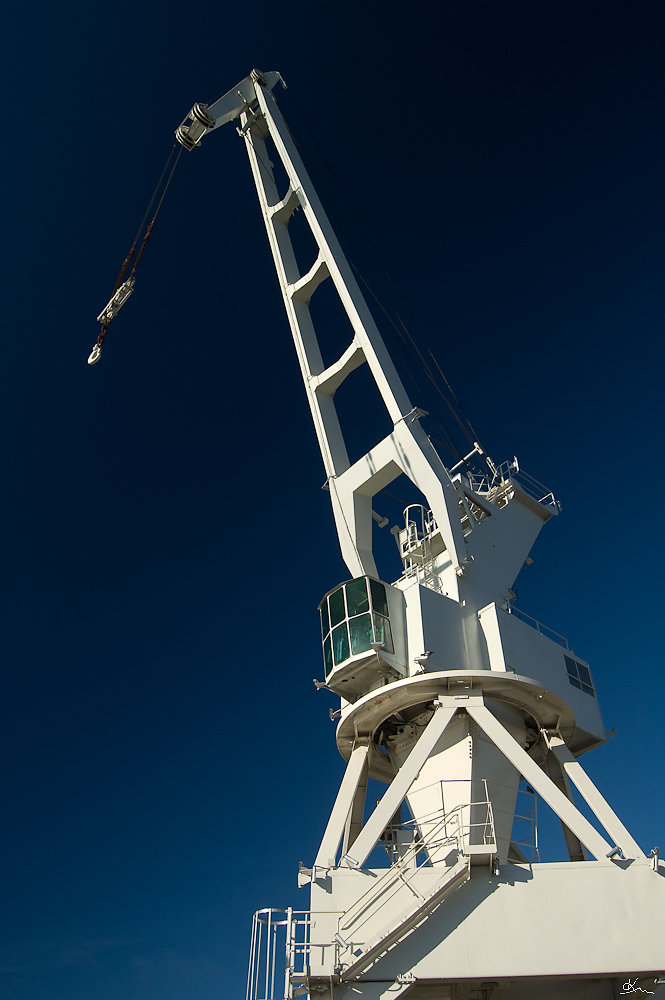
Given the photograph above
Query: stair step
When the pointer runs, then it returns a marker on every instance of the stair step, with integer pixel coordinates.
(453, 878)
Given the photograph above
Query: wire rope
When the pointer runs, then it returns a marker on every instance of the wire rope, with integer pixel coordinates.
(126, 262)
(110, 311)
(148, 232)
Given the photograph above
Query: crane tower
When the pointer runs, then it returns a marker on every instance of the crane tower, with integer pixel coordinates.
(450, 697)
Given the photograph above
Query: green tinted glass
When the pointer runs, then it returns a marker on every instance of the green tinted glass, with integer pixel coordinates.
(337, 610)
(325, 621)
(340, 643)
(360, 630)
(327, 656)
(382, 633)
(357, 600)
(379, 602)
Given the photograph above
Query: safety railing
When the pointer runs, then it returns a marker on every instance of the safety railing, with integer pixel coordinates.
(415, 545)
(461, 830)
(545, 630)
(492, 486)
(278, 953)
(281, 938)
(535, 489)
(468, 827)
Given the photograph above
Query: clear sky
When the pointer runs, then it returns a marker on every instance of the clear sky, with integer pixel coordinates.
(167, 760)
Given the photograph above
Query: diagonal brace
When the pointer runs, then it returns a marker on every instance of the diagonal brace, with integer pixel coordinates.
(575, 772)
(519, 758)
(399, 787)
(576, 850)
(355, 769)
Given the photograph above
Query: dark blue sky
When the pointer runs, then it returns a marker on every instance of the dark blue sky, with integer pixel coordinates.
(167, 759)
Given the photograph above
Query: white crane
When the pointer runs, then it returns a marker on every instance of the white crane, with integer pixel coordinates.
(449, 696)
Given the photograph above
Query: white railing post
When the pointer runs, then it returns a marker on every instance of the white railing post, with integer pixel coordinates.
(289, 956)
(250, 972)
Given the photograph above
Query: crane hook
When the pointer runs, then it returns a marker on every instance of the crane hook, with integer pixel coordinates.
(110, 310)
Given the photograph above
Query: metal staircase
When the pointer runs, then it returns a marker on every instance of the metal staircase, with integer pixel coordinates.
(431, 868)
(419, 902)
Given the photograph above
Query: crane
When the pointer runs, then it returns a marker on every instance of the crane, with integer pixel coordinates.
(450, 696)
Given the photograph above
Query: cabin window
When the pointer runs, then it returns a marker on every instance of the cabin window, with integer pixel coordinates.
(382, 631)
(360, 629)
(325, 619)
(379, 599)
(357, 599)
(327, 655)
(337, 609)
(579, 676)
(340, 643)
(353, 616)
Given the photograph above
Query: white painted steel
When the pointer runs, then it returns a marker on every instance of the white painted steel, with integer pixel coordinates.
(418, 905)
(606, 815)
(394, 796)
(545, 787)
(500, 681)
(355, 769)
(351, 489)
(576, 850)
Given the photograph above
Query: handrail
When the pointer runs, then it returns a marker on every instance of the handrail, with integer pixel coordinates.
(287, 932)
(276, 933)
(407, 862)
(507, 473)
(544, 630)
(431, 843)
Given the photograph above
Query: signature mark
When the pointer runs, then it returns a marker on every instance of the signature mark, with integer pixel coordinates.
(632, 988)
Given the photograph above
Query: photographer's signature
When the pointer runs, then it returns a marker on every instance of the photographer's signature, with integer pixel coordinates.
(632, 988)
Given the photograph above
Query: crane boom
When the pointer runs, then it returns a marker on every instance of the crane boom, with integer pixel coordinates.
(407, 449)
